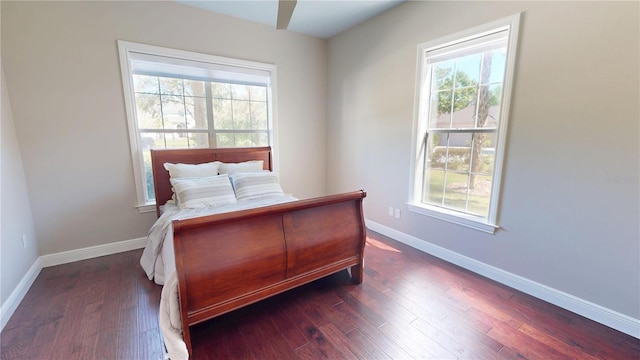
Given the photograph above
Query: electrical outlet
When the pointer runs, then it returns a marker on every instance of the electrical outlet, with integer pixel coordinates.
(390, 211)
(396, 213)
(24, 241)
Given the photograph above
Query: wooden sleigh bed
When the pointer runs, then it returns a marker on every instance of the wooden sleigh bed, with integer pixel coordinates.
(230, 260)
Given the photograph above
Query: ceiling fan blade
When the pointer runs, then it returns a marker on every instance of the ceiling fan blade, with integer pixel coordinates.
(285, 10)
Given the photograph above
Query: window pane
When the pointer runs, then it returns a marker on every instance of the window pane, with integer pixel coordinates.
(222, 118)
(177, 140)
(261, 139)
(244, 140)
(464, 108)
(433, 185)
(241, 115)
(484, 153)
(440, 110)
(196, 112)
(436, 154)
(259, 115)
(183, 140)
(459, 154)
(148, 175)
(480, 195)
(221, 90)
(455, 193)
(258, 93)
(498, 65)
(145, 84)
(171, 86)
(150, 140)
(490, 99)
(194, 88)
(239, 92)
(148, 111)
(467, 71)
(442, 76)
(224, 140)
(198, 140)
(173, 112)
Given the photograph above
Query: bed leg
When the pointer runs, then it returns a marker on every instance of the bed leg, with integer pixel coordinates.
(356, 273)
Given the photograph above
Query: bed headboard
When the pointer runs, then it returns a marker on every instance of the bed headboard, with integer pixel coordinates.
(161, 183)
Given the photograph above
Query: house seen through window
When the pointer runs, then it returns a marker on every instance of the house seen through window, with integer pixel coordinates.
(463, 102)
(179, 99)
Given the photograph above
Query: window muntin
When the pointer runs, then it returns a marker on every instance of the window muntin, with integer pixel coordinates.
(178, 99)
(463, 98)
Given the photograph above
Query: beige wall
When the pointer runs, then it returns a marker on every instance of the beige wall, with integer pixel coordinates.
(63, 76)
(570, 196)
(15, 210)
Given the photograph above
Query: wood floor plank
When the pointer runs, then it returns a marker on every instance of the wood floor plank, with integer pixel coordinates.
(568, 350)
(381, 304)
(106, 345)
(220, 338)
(366, 349)
(84, 344)
(373, 333)
(462, 326)
(67, 331)
(341, 342)
(463, 345)
(290, 332)
(526, 345)
(364, 311)
(318, 344)
(40, 347)
(415, 342)
(151, 345)
(263, 345)
(376, 280)
(490, 313)
(411, 305)
(127, 347)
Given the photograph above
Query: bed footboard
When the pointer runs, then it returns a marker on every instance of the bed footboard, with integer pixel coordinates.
(230, 260)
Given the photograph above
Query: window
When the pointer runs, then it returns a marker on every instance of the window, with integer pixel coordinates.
(180, 99)
(463, 92)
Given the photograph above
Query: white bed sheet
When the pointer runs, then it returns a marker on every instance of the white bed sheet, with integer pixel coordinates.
(158, 262)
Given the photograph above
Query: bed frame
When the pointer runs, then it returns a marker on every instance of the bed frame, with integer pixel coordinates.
(230, 260)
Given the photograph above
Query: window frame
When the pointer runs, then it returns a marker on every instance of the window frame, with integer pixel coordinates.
(421, 119)
(125, 48)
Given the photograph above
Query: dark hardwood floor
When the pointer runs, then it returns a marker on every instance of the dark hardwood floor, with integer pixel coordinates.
(411, 305)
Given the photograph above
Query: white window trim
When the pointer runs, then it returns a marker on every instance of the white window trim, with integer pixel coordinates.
(489, 224)
(125, 47)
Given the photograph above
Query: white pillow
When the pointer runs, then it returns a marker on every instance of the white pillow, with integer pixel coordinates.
(203, 192)
(254, 185)
(179, 171)
(247, 166)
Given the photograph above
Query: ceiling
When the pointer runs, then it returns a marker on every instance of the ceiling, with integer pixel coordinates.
(320, 18)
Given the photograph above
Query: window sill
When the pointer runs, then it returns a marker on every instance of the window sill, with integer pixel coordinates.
(453, 217)
(146, 208)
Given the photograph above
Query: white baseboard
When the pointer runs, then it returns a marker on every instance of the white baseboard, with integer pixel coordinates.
(12, 302)
(595, 312)
(91, 252)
